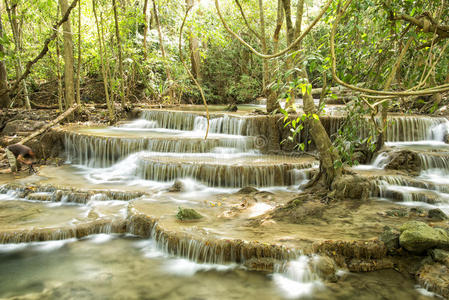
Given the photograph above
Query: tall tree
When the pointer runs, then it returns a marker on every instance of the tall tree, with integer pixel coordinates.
(78, 70)
(68, 58)
(12, 15)
(103, 67)
(119, 50)
(145, 28)
(263, 41)
(5, 101)
(161, 44)
(195, 57)
(272, 99)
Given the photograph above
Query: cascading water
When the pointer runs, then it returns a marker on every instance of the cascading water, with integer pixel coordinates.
(425, 138)
(165, 146)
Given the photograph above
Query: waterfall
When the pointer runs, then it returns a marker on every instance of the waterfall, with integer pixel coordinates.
(101, 152)
(412, 128)
(297, 278)
(434, 161)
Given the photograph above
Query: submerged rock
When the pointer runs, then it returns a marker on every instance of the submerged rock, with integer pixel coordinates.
(418, 237)
(437, 214)
(390, 238)
(188, 214)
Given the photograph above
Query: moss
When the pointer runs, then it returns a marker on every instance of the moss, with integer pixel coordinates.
(187, 214)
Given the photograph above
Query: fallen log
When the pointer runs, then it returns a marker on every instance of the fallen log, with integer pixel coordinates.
(45, 127)
(49, 125)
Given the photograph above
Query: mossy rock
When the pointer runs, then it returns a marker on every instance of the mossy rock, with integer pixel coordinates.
(418, 237)
(187, 214)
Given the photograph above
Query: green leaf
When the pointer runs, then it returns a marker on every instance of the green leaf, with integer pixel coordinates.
(316, 117)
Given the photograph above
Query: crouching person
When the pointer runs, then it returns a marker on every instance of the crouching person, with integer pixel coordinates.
(19, 154)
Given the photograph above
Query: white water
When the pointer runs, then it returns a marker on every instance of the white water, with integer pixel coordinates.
(297, 279)
(425, 135)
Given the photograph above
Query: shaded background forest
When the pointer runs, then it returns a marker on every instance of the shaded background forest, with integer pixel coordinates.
(369, 40)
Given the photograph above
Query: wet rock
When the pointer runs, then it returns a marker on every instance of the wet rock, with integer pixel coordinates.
(247, 190)
(440, 256)
(435, 277)
(177, 187)
(417, 237)
(187, 214)
(326, 268)
(351, 187)
(390, 238)
(405, 160)
(437, 214)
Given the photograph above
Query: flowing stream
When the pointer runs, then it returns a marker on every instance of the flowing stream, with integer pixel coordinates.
(65, 243)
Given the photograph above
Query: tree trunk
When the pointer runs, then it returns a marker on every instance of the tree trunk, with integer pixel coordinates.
(263, 41)
(298, 22)
(58, 73)
(167, 68)
(272, 103)
(78, 71)
(328, 154)
(145, 28)
(290, 35)
(119, 50)
(12, 15)
(68, 58)
(5, 101)
(103, 67)
(195, 57)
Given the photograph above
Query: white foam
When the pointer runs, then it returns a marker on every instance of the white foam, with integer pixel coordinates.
(185, 267)
(51, 245)
(100, 238)
(297, 279)
(149, 249)
(138, 124)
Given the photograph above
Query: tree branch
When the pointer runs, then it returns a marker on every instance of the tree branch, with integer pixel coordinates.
(43, 51)
(429, 91)
(292, 45)
(246, 20)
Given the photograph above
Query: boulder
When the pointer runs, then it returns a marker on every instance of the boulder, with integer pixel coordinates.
(437, 214)
(187, 214)
(418, 237)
